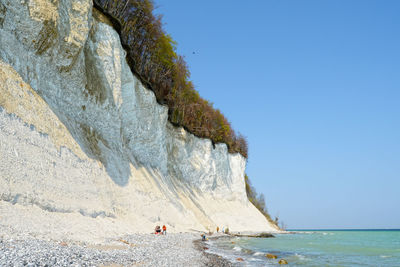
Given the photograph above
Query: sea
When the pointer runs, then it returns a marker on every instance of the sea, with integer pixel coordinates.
(313, 248)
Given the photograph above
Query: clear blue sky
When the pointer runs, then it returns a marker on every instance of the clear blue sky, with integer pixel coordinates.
(315, 87)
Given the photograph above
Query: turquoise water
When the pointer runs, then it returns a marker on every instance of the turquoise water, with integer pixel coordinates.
(316, 248)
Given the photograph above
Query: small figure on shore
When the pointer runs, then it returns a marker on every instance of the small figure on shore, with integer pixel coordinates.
(164, 229)
(203, 237)
(223, 229)
(217, 229)
(157, 230)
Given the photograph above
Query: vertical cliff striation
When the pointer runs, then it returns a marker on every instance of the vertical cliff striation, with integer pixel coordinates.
(82, 140)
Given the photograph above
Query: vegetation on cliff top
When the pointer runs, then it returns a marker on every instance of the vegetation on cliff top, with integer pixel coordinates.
(151, 54)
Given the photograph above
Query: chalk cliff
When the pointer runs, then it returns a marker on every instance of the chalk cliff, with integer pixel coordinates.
(84, 146)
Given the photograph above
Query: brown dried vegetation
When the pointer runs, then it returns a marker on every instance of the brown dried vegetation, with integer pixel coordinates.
(151, 54)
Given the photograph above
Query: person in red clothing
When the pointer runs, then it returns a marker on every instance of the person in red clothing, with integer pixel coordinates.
(157, 230)
(164, 229)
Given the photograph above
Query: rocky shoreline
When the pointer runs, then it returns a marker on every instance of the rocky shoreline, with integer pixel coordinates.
(212, 259)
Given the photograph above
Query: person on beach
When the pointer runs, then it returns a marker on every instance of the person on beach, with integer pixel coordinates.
(164, 229)
(203, 237)
(217, 229)
(157, 230)
(223, 229)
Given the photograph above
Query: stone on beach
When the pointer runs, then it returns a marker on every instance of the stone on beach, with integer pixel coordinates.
(271, 256)
(283, 261)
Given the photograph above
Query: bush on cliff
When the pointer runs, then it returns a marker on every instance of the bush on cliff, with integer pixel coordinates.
(151, 54)
(258, 200)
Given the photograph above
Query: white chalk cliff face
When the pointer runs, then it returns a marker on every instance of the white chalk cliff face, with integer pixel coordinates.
(84, 143)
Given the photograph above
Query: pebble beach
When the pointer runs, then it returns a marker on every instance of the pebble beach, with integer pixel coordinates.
(175, 249)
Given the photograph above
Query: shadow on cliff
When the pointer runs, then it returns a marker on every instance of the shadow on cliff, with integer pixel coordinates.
(111, 156)
(96, 147)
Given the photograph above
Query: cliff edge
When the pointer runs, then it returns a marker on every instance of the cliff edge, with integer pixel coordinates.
(86, 152)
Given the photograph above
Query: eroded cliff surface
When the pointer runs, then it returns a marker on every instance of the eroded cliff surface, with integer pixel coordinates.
(81, 137)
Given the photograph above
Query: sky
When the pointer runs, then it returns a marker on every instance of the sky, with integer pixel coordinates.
(315, 88)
